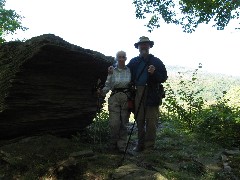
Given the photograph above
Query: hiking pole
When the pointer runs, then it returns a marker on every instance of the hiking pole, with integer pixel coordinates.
(97, 119)
(139, 105)
(98, 110)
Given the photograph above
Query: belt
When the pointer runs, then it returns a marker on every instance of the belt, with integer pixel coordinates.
(118, 90)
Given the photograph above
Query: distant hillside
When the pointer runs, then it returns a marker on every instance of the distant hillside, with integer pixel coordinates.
(213, 84)
(173, 70)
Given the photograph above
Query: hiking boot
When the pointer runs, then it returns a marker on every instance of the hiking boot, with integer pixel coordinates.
(122, 151)
(138, 148)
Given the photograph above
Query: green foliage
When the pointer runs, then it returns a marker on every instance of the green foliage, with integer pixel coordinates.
(100, 127)
(10, 21)
(233, 96)
(187, 105)
(98, 132)
(220, 123)
(235, 161)
(185, 102)
(187, 13)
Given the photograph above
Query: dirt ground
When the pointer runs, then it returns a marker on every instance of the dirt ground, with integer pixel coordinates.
(52, 157)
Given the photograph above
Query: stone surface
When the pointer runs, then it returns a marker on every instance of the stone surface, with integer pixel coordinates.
(46, 85)
(132, 171)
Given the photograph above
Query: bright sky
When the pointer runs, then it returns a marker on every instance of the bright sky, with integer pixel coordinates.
(108, 26)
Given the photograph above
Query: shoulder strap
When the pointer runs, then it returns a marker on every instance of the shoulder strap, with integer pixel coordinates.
(142, 69)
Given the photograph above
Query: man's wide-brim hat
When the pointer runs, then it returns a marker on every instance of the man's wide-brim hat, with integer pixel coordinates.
(144, 39)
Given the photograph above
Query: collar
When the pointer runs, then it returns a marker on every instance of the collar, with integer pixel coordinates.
(147, 59)
(148, 56)
(125, 67)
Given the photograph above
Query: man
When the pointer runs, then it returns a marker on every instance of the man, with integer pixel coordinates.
(148, 72)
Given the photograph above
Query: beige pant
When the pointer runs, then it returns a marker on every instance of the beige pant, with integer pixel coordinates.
(146, 119)
(118, 119)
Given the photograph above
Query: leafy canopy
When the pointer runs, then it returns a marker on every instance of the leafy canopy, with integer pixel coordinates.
(188, 13)
(10, 21)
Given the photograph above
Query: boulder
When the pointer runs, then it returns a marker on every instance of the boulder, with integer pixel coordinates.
(47, 86)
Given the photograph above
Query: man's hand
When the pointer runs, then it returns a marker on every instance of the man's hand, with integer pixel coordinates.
(151, 69)
(110, 69)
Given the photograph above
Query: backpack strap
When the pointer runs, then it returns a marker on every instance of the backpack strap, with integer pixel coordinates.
(146, 63)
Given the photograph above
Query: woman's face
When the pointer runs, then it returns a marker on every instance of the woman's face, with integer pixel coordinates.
(121, 59)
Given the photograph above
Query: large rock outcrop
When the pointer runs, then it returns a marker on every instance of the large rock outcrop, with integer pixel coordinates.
(46, 85)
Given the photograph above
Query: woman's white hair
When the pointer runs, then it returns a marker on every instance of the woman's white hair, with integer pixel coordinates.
(116, 58)
(120, 52)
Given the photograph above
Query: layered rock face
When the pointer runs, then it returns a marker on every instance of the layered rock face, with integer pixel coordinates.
(46, 85)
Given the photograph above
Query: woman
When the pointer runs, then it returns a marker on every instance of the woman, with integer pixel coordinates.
(118, 82)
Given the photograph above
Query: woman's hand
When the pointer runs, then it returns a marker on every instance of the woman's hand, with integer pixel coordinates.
(110, 69)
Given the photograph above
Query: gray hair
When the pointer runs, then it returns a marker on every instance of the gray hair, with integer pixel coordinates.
(116, 58)
(120, 52)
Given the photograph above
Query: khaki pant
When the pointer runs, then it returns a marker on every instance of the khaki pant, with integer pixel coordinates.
(146, 119)
(118, 119)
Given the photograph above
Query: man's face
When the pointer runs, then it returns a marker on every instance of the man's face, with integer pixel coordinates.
(144, 48)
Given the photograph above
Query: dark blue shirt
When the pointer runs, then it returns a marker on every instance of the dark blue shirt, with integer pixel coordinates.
(153, 81)
(141, 75)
